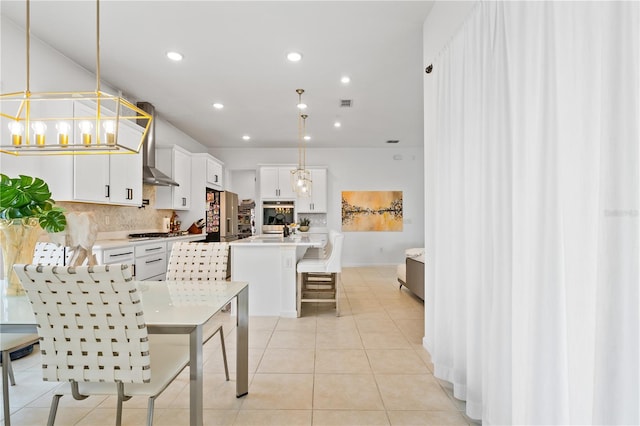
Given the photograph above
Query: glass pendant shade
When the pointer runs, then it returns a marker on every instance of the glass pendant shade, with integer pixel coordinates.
(301, 182)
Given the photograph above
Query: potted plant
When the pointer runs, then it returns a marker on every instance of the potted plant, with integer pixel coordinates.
(304, 224)
(26, 208)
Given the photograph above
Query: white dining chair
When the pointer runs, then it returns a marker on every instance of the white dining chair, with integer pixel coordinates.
(45, 253)
(318, 279)
(50, 254)
(93, 335)
(193, 261)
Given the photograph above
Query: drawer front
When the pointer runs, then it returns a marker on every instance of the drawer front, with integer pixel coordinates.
(118, 255)
(151, 266)
(151, 249)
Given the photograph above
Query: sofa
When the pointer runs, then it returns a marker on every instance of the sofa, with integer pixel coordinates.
(411, 273)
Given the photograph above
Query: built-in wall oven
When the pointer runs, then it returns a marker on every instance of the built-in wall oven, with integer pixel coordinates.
(275, 214)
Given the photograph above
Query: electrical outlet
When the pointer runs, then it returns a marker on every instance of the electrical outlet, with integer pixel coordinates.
(107, 220)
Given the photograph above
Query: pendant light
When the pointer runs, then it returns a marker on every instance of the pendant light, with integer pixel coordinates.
(301, 177)
(63, 123)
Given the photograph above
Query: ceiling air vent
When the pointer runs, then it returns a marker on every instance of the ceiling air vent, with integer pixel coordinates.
(393, 141)
(346, 103)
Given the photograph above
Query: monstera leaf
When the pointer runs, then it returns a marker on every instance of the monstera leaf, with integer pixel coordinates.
(25, 197)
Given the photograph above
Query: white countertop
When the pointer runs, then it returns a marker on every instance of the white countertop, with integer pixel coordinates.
(105, 243)
(271, 240)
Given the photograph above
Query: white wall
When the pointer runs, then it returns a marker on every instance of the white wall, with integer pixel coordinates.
(357, 169)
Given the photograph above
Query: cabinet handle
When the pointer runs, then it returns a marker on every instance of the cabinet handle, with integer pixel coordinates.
(153, 261)
(121, 254)
(153, 248)
(130, 193)
(184, 201)
(106, 191)
(215, 178)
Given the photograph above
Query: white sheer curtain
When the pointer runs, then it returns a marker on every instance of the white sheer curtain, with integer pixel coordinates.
(533, 229)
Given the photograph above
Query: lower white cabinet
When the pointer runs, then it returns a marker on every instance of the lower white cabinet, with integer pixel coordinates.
(151, 261)
(124, 254)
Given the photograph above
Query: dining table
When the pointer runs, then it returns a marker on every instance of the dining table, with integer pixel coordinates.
(170, 307)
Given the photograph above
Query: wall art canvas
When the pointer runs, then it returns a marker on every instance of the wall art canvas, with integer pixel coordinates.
(371, 211)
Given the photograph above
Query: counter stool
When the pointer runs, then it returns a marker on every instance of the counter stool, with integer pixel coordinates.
(319, 279)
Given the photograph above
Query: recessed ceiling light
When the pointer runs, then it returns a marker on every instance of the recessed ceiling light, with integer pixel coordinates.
(345, 79)
(218, 105)
(302, 106)
(246, 137)
(337, 124)
(307, 138)
(294, 56)
(175, 56)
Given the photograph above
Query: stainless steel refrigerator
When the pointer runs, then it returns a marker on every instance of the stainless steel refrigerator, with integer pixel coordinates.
(222, 216)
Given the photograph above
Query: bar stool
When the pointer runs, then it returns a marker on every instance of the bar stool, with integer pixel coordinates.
(318, 279)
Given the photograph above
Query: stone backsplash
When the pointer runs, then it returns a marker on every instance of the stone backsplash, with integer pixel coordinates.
(123, 218)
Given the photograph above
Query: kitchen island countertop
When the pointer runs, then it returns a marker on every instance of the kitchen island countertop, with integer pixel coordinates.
(311, 240)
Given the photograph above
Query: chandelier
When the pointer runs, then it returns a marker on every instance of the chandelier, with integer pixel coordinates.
(59, 123)
(301, 177)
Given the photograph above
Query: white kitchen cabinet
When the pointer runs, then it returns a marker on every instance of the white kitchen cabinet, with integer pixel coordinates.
(214, 174)
(123, 254)
(110, 178)
(317, 202)
(275, 183)
(151, 261)
(175, 162)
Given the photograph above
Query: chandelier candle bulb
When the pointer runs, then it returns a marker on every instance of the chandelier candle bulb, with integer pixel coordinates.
(39, 129)
(16, 129)
(63, 129)
(110, 130)
(85, 129)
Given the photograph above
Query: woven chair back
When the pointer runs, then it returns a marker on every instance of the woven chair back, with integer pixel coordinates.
(90, 323)
(198, 262)
(49, 254)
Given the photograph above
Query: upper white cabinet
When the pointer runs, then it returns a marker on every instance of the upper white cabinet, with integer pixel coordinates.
(317, 202)
(206, 172)
(275, 183)
(175, 162)
(109, 178)
(214, 173)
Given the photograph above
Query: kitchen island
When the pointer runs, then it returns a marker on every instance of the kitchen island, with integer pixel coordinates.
(268, 263)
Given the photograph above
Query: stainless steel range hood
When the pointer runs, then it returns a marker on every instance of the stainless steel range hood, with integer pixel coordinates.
(150, 174)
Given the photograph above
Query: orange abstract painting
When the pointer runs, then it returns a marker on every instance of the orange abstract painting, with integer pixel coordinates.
(372, 210)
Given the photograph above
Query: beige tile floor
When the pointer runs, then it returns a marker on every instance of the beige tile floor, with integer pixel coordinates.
(366, 367)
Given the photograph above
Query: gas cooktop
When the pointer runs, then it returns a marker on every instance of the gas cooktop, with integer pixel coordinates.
(155, 235)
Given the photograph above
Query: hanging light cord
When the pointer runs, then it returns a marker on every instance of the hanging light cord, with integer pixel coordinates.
(28, 42)
(97, 46)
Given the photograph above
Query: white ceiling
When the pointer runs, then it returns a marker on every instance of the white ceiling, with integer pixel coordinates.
(235, 54)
